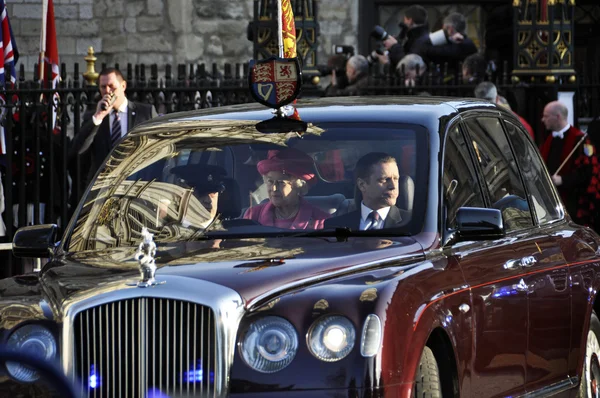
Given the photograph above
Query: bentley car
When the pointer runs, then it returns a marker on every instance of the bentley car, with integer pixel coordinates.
(228, 252)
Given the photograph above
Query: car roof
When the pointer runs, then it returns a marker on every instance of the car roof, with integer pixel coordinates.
(422, 110)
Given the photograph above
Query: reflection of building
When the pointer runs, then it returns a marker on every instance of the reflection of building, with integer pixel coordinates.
(136, 189)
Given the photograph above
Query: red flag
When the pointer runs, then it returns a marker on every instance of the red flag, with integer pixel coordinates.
(288, 35)
(48, 45)
(49, 55)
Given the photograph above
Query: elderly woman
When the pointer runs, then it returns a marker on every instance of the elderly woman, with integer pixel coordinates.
(287, 174)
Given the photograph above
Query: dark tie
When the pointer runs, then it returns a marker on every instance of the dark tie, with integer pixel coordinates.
(375, 219)
(116, 130)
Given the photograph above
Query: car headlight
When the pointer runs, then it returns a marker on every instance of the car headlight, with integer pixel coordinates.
(331, 338)
(34, 340)
(270, 344)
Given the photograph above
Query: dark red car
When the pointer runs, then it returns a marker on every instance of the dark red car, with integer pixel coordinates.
(216, 254)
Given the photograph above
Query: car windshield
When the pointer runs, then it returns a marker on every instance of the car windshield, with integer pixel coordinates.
(224, 177)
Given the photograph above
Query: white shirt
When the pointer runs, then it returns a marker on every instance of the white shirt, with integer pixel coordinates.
(561, 133)
(364, 214)
(122, 115)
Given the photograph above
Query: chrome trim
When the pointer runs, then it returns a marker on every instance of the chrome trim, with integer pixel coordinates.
(553, 389)
(252, 304)
(226, 304)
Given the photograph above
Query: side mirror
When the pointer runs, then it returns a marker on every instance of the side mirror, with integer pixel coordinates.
(36, 241)
(475, 223)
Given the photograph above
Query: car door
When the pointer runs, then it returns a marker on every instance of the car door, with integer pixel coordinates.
(499, 299)
(549, 287)
(537, 255)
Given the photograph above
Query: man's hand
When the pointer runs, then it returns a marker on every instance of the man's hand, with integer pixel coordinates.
(104, 106)
(456, 37)
(389, 42)
(557, 180)
(333, 78)
(383, 58)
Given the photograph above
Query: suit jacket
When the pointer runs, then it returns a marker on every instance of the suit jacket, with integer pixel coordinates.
(395, 218)
(93, 143)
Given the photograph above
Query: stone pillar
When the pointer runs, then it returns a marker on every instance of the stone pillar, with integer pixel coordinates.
(262, 31)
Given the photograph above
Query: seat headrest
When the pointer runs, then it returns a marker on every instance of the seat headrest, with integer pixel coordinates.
(328, 204)
(406, 193)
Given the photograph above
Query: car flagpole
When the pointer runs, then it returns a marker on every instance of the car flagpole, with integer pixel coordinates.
(43, 39)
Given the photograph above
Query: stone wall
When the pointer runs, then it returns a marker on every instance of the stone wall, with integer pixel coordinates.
(161, 31)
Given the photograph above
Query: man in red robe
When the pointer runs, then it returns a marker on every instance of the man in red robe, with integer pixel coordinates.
(576, 180)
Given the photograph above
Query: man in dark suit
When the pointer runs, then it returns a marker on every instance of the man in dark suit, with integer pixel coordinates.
(377, 179)
(103, 126)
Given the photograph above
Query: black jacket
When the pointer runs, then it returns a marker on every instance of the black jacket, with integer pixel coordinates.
(354, 88)
(395, 218)
(92, 156)
(452, 53)
(411, 44)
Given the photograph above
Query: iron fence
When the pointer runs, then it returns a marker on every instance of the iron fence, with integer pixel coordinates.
(41, 185)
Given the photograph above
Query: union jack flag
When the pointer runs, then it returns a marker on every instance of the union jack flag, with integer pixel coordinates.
(9, 48)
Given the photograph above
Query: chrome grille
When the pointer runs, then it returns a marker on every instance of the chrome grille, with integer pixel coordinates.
(146, 346)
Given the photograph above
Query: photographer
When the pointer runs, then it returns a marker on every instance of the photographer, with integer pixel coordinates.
(449, 44)
(414, 31)
(357, 70)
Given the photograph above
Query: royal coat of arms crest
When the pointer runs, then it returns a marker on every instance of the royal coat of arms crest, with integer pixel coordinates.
(275, 82)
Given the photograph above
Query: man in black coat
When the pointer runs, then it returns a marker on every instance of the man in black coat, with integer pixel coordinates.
(414, 32)
(448, 45)
(377, 179)
(103, 126)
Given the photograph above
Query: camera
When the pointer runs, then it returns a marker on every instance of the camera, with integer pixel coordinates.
(372, 58)
(337, 61)
(379, 33)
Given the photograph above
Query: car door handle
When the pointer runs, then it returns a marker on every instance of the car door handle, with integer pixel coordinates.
(512, 264)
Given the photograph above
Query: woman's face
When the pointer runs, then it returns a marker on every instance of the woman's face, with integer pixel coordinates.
(281, 188)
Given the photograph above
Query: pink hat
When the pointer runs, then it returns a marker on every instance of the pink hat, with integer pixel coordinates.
(288, 161)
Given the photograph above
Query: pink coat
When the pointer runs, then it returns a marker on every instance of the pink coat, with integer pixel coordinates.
(308, 216)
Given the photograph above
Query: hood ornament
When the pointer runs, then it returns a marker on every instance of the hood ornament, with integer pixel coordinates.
(145, 256)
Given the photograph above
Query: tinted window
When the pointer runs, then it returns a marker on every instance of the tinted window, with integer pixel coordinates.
(461, 187)
(500, 172)
(539, 186)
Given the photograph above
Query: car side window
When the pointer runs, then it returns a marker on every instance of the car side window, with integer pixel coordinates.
(500, 172)
(539, 187)
(461, 186)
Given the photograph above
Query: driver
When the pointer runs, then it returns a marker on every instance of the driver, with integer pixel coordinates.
(206, 183)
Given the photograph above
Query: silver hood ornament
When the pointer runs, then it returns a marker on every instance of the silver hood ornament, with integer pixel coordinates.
(145, 256)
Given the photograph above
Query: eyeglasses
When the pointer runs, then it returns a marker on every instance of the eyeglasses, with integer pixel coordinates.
(280, 183)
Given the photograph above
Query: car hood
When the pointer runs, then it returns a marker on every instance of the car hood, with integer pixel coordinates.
(254, 268)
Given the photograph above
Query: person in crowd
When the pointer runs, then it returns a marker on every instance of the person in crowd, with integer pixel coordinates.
(412, 68)
(376, 177)
(103, 126)
(414, 31)
(206, 183)
(449, 45)
(357, 73)
(474, 69)
(488, 91)
(571, 161)
(287, 174)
